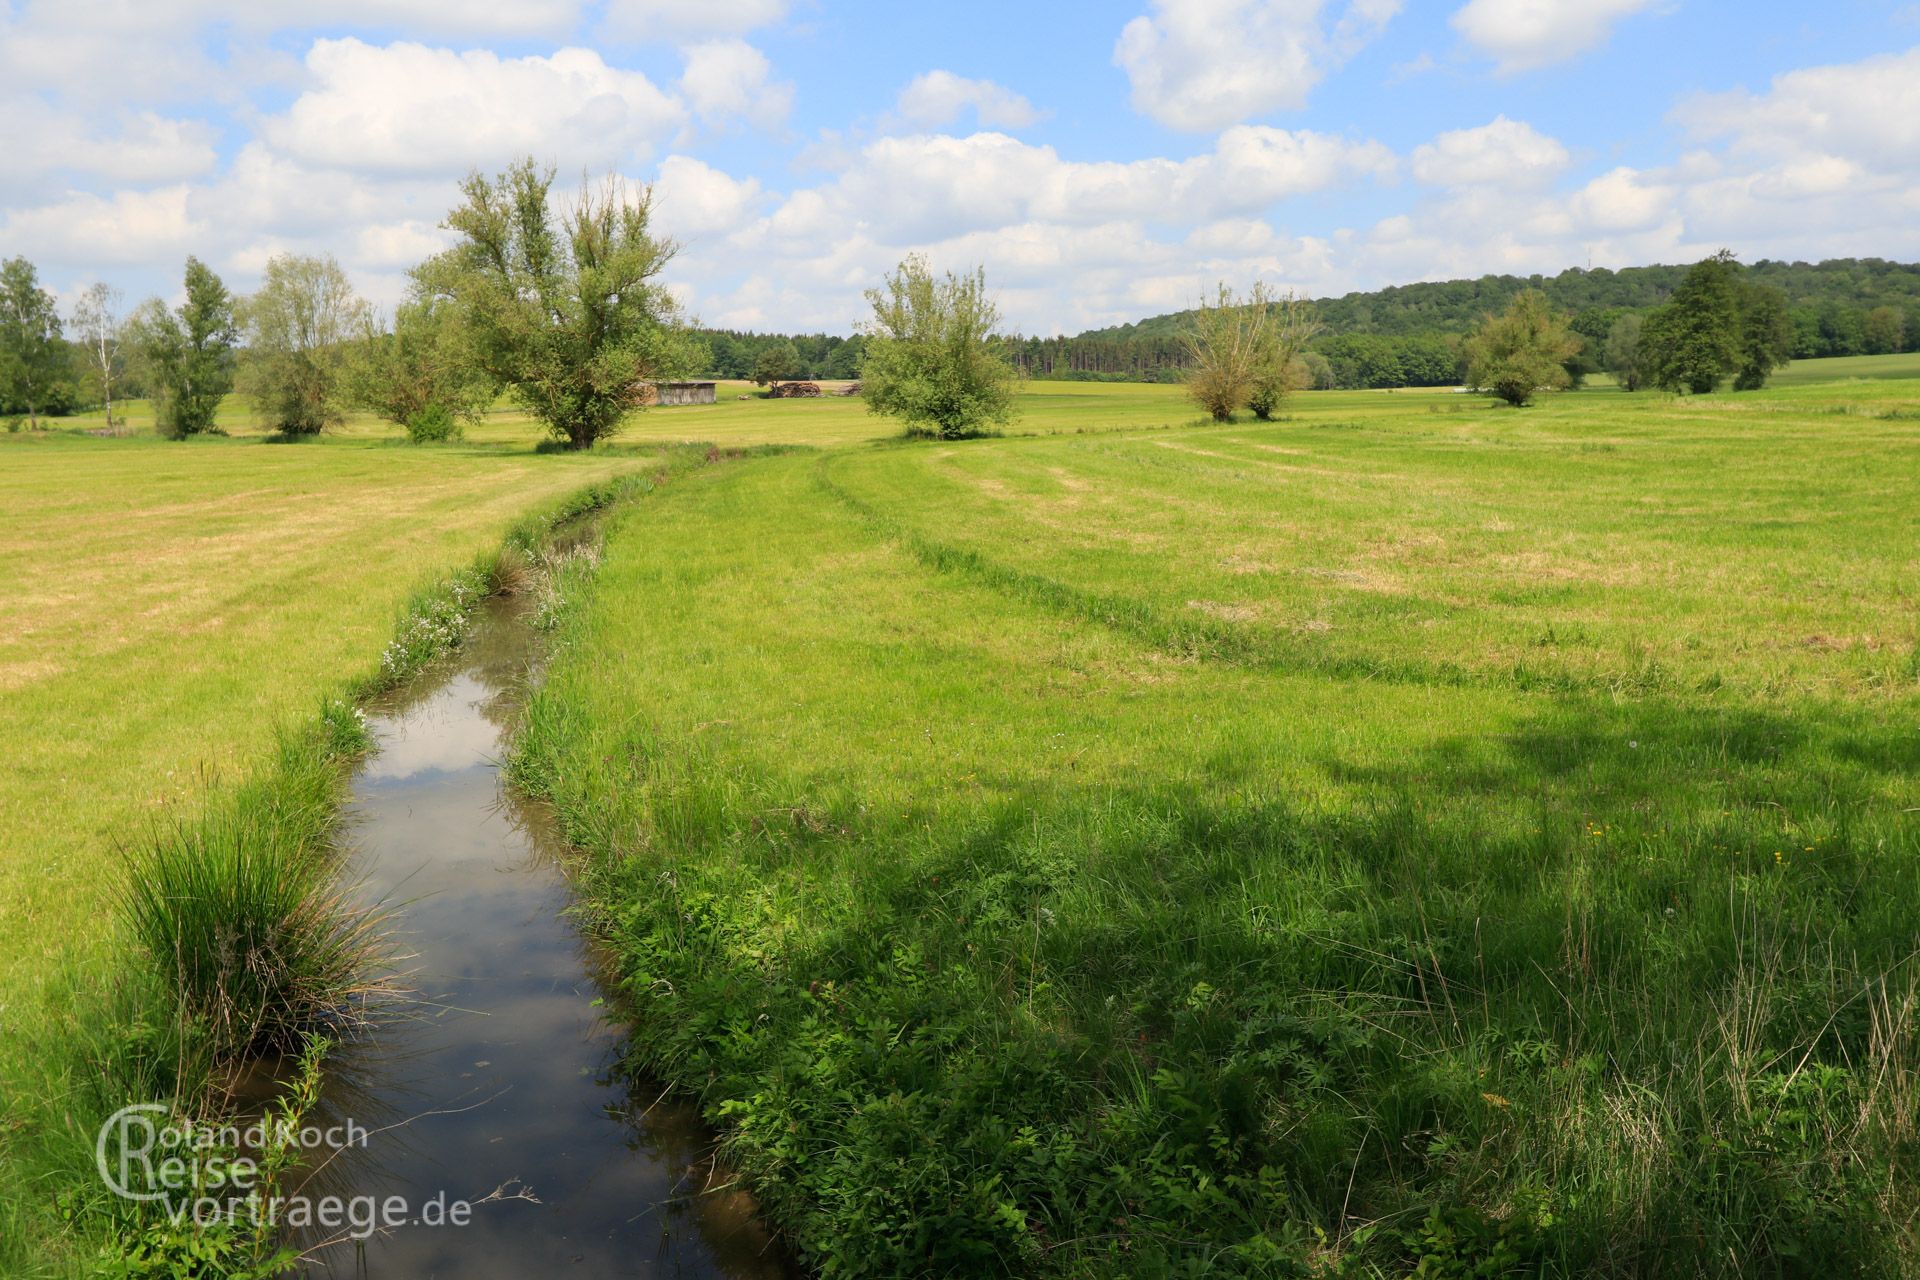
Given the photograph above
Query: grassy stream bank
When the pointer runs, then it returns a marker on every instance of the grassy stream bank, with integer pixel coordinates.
(232, 937)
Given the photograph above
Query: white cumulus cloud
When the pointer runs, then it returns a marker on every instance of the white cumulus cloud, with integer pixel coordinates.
(1200, 65)
(731, 80)
(1868, 111)
(938, 98)
(905, 190)
(137, 148)
(693, 201)
(409, 109)
(1523, 34)
(1505, 151)
(90, 50)
(127, 228)
(1624, 199)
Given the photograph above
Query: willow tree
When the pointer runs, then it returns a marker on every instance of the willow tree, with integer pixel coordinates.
(423, 365)
(1523, 350)
(932, 359)
(1281, 369)
(1247, 351)
(565, 309)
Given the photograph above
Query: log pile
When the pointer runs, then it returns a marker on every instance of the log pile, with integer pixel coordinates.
(792, 390)
(851, 389)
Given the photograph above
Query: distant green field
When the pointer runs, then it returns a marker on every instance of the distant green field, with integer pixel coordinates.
(1418, 835)
(1840, 368)
(742, 415)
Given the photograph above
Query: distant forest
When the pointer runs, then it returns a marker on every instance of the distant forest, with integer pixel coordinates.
(1411, 335)
(735, 352)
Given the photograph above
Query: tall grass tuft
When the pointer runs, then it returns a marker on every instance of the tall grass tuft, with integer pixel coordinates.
(243, 920)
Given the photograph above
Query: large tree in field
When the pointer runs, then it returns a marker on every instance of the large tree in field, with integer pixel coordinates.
(1693, 342)
(31, 357)
(779, 362)
(187, 355)
(1523, 350)
(932, 359)
(1719, 324)
(566, 311)
(298, 329)
(1625, 357)
(96, 327)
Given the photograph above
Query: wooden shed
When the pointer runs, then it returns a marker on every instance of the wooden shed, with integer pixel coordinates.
(683, 393)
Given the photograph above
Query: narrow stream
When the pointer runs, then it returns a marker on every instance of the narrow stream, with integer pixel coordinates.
(501, 1080)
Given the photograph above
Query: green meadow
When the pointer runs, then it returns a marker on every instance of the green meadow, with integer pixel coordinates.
(1411, 837)
(1414, 837)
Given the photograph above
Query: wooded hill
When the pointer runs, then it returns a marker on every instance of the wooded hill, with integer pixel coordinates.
(1409, 335)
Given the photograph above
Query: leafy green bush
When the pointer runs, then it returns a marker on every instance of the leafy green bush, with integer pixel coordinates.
(1522, 350)
(434, 424)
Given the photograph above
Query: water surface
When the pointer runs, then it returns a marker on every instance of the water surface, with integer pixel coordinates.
(501, 1078)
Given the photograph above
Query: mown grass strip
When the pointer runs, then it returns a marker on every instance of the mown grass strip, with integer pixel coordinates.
(1210, 639)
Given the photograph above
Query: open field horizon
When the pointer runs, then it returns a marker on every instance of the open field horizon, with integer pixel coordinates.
(742, 415)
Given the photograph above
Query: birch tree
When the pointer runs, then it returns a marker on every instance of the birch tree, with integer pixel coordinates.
(96, 327)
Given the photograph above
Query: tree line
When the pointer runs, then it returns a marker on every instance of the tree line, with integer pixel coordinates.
(1455, 306)
(1415, 335)
(562, 309)
(1722, 324)
(1839, 307)
(775, 357)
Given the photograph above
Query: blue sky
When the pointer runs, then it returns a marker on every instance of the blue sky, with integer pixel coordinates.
(1102, 161)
